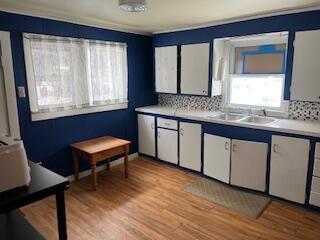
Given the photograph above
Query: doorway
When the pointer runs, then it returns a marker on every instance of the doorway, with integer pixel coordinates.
(9, 121)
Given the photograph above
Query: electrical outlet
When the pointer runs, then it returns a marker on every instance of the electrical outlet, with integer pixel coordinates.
(21, 92)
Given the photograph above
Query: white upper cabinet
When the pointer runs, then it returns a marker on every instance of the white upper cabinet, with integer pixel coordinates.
(147, 135)
(249, 164)
(190, 145)
(166, 61)
(216, 159)
(195, 69)
(289, 166)
(306, 71)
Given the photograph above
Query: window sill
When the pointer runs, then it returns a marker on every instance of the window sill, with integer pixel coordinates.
(74, 112)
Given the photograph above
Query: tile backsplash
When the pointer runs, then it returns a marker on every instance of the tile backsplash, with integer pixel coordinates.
(191, 102)
(304, 110)
(297, 109)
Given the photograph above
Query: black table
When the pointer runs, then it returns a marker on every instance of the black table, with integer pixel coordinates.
(43, 183)
(14, 226)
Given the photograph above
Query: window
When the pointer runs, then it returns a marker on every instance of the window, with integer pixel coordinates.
(253, 70)
(256, 90)
(68, 76)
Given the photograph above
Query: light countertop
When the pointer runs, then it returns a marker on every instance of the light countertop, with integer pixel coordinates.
(306, 128)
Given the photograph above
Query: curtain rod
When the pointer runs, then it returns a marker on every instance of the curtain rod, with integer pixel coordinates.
(32, 36)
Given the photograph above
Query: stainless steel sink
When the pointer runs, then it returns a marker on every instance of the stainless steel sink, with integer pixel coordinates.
(258, 120)
(228, 116)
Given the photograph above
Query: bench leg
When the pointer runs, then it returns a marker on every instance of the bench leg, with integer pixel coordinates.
(126, 153)
(75, 165)
(108, 163)
(94, 176)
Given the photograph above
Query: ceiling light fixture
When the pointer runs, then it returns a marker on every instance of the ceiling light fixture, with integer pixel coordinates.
(133, 5)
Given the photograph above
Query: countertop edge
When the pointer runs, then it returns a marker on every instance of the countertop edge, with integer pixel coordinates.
(171, 113)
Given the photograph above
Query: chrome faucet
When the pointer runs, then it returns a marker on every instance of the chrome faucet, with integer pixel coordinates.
(263, 110)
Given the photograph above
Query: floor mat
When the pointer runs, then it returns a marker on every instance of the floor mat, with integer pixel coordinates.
(249, 204)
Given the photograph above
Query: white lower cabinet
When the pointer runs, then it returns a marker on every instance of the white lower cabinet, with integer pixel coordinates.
(315, 192)
(314, 199)
(168, 145)
(216, 163)
(249, 164)
(146, 134)
(190, 146)
(288, 169)
(315, 184)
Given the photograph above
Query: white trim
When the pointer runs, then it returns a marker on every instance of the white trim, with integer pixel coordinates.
(103, 167)
(30, 74)
(240, 19)
(73, 112)
(258, 39)
(104, 25)
(37, 115)
(128, 29)
(10, 88)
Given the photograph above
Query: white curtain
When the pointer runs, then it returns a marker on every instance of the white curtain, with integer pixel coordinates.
(68, 73)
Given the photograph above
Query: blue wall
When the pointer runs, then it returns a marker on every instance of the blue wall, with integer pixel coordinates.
(47, 141)
(290, 22)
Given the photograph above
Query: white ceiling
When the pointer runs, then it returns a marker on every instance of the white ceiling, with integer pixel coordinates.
(162, 15)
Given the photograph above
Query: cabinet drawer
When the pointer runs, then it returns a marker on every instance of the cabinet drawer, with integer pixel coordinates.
(316, 168)
(315, 186)
(167, 123)
(314, 199)
(317, 153)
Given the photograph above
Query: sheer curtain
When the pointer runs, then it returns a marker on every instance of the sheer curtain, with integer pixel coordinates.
(67, 73)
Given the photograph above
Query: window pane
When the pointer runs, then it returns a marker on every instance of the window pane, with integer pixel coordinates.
(108, 72)
(52, 73)
(260, 59)
(263, 90)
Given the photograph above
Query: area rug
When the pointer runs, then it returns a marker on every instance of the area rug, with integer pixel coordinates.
(244, 202)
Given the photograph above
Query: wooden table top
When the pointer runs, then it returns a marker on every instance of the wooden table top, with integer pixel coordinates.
(100, 144)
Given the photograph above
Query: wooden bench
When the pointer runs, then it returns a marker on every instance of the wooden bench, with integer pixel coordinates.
(99, 149)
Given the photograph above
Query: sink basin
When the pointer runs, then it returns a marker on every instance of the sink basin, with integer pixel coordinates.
(258, 120)
(228, 116)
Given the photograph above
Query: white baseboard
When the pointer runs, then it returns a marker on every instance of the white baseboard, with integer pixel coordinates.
(103, 167)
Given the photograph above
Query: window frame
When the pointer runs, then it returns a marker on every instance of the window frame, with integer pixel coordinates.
(32, 92)
(249, 41)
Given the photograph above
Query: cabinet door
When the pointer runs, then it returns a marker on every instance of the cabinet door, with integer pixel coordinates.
(195, 69)
(288, 170)
(146, 134)
(217, 157)
(168, 145)
(190, 146)
(166, 61)
(305, 74)
(249, 164)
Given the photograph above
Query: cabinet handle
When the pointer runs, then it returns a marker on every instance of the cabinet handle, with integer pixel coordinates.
(152, 125)
(233, 148)
(226, 146)
(274, 148)
(158, 134)
(181, 131)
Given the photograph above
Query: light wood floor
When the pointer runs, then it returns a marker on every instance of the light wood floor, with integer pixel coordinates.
(151, 204)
